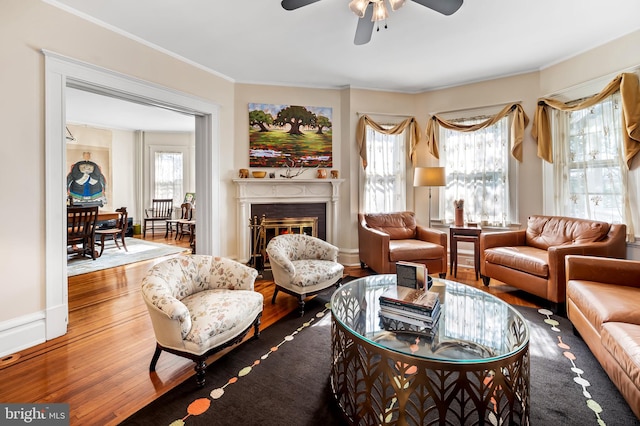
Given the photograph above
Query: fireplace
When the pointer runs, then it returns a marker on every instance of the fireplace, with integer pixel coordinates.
(263, 229)
(294, 210)
(282, 198)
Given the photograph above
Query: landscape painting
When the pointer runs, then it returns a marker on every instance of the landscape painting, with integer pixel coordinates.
(290, 136)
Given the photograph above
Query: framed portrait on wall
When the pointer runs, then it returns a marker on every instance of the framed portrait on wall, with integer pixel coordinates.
(89, 168)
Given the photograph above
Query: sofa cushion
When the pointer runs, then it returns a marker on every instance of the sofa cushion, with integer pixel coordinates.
(603, 303)
(399, 226)
(410, 250)
(521, 258)
(547, 231)
(622, 341)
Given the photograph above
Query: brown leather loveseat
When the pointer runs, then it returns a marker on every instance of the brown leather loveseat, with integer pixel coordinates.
(532, 259)
(603, 304)
(386, 238)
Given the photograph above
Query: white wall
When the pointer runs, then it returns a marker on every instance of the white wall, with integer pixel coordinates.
(121, 191)
(27, 27)
(521, 88)
(123, 171)
(251, 93)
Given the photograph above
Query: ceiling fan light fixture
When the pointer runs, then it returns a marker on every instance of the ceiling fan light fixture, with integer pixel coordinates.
(380, 12)
(359, 7)
(396, 4)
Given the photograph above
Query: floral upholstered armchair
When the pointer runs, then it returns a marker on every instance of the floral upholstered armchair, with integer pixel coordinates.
(199, 305)
(303, 265)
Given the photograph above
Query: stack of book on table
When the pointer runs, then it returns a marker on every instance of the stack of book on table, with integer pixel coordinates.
(409, 309)
(414, 275)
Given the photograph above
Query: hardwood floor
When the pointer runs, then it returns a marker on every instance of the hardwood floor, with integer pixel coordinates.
(101, 366)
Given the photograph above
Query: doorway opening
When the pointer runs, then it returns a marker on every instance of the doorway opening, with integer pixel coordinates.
(62, 72)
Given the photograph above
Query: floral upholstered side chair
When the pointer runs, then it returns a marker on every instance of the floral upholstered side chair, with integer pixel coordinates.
(303, 265)
(200, 305)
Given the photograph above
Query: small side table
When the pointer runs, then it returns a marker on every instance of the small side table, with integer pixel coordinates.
(468, 235)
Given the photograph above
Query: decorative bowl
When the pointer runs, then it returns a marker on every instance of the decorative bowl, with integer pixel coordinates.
(259, 174)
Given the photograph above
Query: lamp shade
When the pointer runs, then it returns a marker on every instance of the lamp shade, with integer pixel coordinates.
(396, 4)
(429, 176)
(359, 7)
(379, 11)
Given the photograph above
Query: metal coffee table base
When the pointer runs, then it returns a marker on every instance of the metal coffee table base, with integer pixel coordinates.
(375, 386)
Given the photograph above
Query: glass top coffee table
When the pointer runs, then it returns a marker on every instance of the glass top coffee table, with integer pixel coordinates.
(473, 368)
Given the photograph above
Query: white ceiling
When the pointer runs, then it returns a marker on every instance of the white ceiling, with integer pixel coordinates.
(106, 112)
(257, 41)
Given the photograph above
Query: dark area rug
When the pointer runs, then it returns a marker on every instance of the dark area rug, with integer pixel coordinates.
(282, 378)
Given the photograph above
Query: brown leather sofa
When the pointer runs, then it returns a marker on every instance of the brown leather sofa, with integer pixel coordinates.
(603, 304)
(386, 238)
(532, 259)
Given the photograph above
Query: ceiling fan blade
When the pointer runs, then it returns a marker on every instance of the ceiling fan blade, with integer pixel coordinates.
(446, 7)
(295, 4)
(364, 30)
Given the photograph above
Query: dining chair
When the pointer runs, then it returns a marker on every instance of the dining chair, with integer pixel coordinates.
(161, 210)
(184, 225)
(81, 225)
(117, 232)
(172, 224)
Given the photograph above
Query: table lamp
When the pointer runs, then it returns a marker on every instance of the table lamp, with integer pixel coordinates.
(429, 176)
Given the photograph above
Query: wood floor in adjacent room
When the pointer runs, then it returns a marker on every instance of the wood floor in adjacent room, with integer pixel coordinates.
(101, 366)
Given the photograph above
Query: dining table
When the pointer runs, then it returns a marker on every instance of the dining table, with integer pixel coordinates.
(104, 215)
(107, 215)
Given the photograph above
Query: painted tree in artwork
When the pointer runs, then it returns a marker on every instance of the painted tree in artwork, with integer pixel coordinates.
(322, 122)
(260, 119)
(295, 117)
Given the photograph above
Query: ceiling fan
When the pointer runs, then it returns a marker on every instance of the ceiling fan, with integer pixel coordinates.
(372, 11)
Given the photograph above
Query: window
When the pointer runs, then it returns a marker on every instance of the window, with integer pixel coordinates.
(479, 170)
(385, 176)
(168, 176)
(589, 171)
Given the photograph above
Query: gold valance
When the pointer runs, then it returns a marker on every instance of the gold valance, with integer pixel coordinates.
(519, 123)
(627, 83)
(414, 135)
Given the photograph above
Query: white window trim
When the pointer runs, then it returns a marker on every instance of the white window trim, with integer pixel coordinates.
(512, 174)
(583, 90)
(186, 167)
(409, 195)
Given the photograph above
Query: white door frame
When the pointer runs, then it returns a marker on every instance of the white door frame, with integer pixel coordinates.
(61, 72)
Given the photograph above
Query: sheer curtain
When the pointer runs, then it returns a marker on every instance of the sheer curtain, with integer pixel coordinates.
(385, 175)
(168, 176)
(590, 172)
(477, 167)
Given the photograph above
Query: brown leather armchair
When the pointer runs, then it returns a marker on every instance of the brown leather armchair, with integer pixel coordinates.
(386, 238)
(533, 259)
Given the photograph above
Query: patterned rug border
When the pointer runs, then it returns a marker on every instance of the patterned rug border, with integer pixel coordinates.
(565, 351)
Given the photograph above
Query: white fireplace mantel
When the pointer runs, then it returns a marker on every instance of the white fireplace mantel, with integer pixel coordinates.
(265, 191)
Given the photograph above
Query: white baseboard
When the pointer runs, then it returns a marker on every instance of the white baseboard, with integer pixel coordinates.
(349, 257)
(22, 333)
